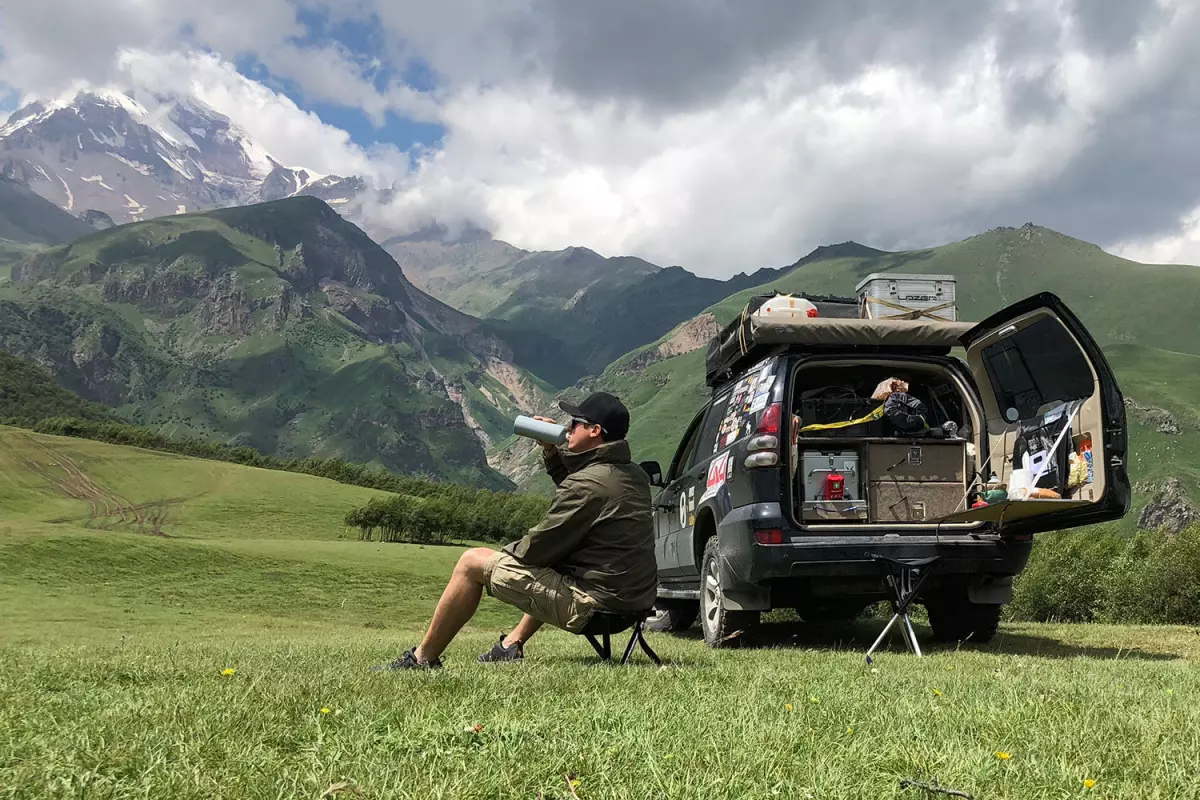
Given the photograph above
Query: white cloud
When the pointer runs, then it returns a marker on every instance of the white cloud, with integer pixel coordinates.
(718, 136)
(1178, 248)
(772, 171)
(49, 44)
(293, 136)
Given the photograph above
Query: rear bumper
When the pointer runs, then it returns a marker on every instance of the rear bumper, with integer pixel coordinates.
(749, 568)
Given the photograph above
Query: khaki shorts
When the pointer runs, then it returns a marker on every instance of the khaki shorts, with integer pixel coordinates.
(541, 592)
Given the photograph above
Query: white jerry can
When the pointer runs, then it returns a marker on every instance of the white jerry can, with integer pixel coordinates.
(787, 307)
(886, 295)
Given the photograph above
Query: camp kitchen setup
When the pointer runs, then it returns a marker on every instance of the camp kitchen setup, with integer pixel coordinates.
(885, 430)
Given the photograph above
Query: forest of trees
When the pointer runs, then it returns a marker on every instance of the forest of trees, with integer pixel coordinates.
(500, 517)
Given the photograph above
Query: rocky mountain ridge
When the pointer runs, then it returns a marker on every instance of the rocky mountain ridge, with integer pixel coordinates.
(133, 159)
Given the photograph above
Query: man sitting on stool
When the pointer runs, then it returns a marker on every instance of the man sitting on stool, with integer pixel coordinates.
(594, 550)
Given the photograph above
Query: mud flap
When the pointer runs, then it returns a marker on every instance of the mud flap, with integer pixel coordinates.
(991, 589)
(753, 599)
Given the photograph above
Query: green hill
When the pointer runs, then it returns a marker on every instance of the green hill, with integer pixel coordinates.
(279, 326)
(28, 218)
(29, 222)
(173, 540)
(1122, 301)
(28, 394)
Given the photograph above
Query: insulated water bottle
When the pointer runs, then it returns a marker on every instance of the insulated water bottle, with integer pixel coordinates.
(548, 432)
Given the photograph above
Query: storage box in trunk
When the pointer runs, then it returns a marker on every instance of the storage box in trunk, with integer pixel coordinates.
(834, 511)
(895, 501)
(917, 461)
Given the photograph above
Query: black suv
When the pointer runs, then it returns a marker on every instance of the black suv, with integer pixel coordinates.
(791, 478)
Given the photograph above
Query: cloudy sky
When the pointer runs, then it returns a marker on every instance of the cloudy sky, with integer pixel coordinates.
(722, 135)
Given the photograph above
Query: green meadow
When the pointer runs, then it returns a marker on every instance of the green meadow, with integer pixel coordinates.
(179, 628)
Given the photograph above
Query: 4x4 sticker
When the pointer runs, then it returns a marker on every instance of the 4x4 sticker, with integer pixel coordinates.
(718, 471)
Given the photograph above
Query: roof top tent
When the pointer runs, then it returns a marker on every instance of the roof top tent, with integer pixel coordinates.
(756, 333)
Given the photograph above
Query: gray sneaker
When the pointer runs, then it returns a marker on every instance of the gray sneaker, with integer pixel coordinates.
(408, 661)
(501, 653)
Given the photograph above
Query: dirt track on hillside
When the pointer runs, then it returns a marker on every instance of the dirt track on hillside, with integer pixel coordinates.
(107, 508)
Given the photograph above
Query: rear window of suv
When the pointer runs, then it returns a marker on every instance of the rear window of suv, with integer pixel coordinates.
(712, 423)
(1036, 366)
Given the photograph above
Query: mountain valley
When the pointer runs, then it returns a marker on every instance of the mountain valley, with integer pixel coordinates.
(272, 319)
(280, 326)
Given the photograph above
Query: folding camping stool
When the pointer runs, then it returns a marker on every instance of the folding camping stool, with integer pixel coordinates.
(606, 623)
(903, 579)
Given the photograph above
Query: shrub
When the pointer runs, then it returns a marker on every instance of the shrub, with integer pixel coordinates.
(1066, 577)
(1156, 580)
(1091, 575)
(454, 513)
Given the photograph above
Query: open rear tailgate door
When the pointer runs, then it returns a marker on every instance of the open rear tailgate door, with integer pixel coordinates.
(1047, 392)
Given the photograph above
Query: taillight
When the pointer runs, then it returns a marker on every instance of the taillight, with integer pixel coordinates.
(763, 442)
(769, 536)
(771, 419)
(764, 447)
(768, 459)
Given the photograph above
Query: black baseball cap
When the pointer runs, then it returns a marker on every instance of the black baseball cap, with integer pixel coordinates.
(602, 409)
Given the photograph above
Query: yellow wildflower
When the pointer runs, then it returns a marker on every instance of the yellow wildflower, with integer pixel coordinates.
(228, 671)
(788, 706)
(1003, 756)
(326, 710)
(849, 730)
(1088, 783)
(937, 692)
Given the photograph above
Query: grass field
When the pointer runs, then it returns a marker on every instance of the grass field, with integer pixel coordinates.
(114, 644)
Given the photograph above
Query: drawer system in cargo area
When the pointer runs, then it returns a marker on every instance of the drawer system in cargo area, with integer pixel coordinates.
(881, 481)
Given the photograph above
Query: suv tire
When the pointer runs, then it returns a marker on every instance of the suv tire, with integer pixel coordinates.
(671, 616)
(954, 618)
(719, 623)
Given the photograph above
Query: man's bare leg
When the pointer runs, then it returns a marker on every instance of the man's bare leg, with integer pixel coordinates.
(457, 605)
(524, 631)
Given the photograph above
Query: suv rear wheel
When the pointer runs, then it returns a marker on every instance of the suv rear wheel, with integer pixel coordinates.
(719, 623)
(673, 615)
(954, 618)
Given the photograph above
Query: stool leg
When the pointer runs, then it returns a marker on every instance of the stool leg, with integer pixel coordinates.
(882, 634)
(646, 646)
(629, 647)
(596, 646)
(912, 635)
(908, 645)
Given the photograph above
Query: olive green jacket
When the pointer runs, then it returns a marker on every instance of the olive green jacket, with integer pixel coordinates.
(600, 527)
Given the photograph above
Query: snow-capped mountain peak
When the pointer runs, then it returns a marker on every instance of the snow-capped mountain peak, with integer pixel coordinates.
(135, 157)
